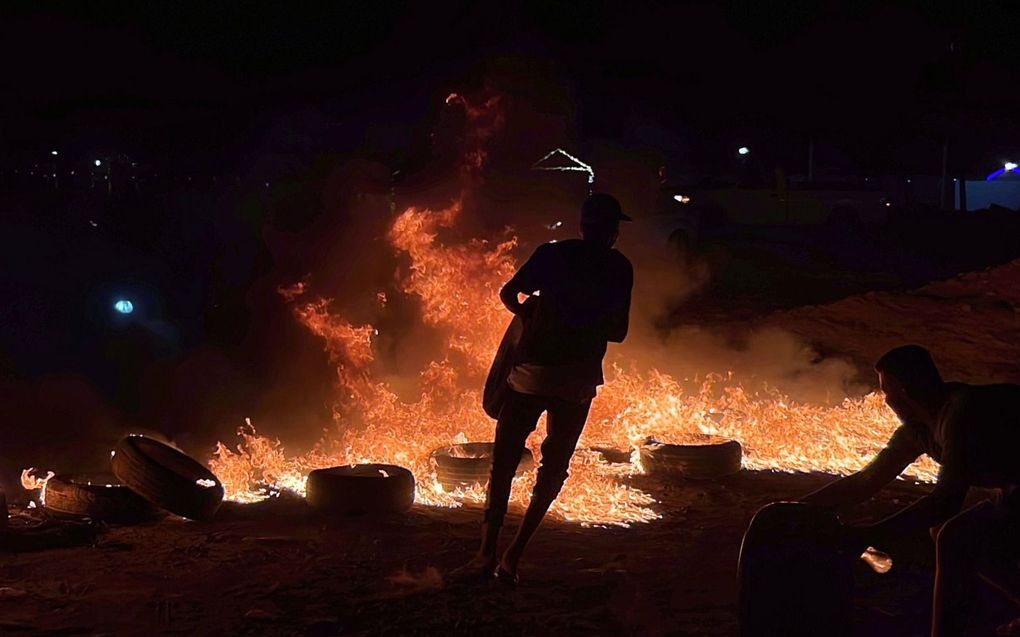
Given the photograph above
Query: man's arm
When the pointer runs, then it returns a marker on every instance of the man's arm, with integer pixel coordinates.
(524, 281)
(858, 487)
(508, 295)
(931, 510)
(943, 502)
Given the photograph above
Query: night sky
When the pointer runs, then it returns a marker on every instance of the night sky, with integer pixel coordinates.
(191, 78)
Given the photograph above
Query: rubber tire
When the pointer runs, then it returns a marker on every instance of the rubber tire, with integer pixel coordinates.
(361, 488)
(718, 458)
(167, 477)
(457, 472)
(795, 574)
(73, 495)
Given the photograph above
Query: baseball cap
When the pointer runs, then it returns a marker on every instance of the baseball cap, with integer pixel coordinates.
(602, 208)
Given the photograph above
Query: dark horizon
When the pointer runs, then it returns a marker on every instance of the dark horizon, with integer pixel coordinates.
(883, 85)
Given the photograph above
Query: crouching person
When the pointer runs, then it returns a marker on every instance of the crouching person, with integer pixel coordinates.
(973, 432)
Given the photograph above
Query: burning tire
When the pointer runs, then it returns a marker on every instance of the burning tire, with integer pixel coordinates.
(706, 458)
(468, 464)
(167, 477)
(361, 488)
(97, 497)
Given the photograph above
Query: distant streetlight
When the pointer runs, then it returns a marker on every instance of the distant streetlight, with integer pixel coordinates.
(743, 150)
(682, 198)
(124, 306)
(98, 163)
(1007, 167)
(54, 153)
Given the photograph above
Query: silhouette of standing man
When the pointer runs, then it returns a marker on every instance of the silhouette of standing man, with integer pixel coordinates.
(581, 292)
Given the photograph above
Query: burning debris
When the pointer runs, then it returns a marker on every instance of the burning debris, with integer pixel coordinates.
(456, 285)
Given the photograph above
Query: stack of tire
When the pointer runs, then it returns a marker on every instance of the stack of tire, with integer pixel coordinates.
(149, 477)
(704, 458)
(466, 465)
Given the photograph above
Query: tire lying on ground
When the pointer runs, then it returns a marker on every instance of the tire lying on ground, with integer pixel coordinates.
(704, 458)
(99, 497)
(468, 464)
(360, 488)
(167, 477)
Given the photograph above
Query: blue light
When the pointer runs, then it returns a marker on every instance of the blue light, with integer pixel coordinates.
(124, 306)
(1008, 167)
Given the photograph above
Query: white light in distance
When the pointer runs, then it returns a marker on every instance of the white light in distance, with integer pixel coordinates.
(124, 306)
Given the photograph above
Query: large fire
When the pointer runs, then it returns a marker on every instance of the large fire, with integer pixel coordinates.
(457, 286)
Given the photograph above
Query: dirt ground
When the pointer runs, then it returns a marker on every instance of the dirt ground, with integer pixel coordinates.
(278, 570)
(971, 324)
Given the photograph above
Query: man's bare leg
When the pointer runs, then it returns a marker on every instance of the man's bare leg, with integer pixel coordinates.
(517, 420)
(532, 520)
(563, 429)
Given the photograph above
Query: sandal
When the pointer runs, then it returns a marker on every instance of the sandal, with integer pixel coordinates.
(504, 576)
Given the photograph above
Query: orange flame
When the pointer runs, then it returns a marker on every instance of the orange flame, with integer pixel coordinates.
(458, 289)
(30, 480)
